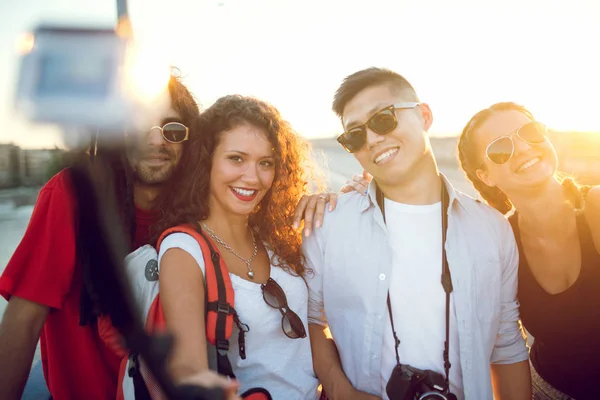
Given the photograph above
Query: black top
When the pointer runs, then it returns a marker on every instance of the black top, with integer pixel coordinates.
(566, 325)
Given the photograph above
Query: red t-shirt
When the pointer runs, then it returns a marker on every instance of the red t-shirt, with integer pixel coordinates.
(143, 220)
(76, 362)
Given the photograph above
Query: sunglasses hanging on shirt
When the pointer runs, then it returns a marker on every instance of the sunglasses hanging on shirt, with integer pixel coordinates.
(275, 297)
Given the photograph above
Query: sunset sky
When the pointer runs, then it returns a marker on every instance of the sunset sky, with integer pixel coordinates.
(461, 55)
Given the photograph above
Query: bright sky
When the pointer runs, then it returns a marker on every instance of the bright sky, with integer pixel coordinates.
(461, 55)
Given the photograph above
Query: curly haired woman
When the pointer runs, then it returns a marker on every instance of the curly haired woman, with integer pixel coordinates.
(242, 188)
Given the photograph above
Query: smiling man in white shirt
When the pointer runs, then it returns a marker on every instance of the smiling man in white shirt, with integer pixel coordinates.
(391, 242)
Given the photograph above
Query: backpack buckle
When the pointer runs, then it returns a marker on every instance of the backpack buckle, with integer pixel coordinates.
(223, 308)
(222, 347)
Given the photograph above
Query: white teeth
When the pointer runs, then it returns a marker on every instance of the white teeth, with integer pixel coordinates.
(528, 164)
(385, 155)
(244, 192)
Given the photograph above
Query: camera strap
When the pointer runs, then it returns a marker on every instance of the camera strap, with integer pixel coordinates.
(446, 281)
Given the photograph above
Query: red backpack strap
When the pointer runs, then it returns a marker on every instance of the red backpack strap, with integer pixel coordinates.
(220, 313)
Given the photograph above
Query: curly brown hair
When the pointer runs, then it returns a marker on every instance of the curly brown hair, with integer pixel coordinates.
(294, 170)
(470, 162)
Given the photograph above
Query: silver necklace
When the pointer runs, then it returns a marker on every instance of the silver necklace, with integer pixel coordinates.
(228, 248)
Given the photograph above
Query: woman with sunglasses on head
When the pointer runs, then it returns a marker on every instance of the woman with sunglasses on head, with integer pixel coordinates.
(505, 153)
(241, 190)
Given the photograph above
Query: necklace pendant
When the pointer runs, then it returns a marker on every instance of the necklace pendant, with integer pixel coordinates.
(251, 274)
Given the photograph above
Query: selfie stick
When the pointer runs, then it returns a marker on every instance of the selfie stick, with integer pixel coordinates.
(101, 240)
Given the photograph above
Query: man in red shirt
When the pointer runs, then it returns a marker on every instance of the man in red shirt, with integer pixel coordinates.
(43, 280)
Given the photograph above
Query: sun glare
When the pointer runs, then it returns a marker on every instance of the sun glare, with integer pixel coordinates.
(25, 43)
(146, 75)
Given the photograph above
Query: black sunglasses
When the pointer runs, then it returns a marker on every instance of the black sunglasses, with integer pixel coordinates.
(382, 123)
(502, 149)
(173, 132)
(274, 296)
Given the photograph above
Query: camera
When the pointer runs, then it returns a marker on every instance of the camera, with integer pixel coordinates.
(84, 78)
(409, 383)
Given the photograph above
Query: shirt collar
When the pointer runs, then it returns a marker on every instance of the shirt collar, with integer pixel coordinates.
(372, 194)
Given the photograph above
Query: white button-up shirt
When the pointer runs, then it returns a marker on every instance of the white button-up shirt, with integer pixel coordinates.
(350, 258)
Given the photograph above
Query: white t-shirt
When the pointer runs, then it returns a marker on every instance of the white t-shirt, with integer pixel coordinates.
(417, 296)
(273, 361)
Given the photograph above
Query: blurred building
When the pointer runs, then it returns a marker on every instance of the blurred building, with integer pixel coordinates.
(35, 164)
(9, 165)
(578, 154)
(25, 167)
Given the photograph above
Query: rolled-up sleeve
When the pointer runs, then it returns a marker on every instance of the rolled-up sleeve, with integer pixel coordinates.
(510, 346)
(312, 247)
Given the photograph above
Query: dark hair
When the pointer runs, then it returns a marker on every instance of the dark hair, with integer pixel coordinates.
(355, 83)
(121, 179)
(184, 103)
(470, 162)
(273, 218)
(182, 100)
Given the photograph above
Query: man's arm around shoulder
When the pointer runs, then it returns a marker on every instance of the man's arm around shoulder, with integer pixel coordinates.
(511, 377)
(19, 333)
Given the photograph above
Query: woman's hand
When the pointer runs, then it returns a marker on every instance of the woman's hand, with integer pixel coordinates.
(359, 183)
(311, 208)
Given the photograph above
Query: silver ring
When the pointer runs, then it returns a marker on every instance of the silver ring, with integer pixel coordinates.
(322, 196)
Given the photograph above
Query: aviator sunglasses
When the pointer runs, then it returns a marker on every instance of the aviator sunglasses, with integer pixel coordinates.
(173, 132)
(290, 321)
(382, 123)
(502, 149)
